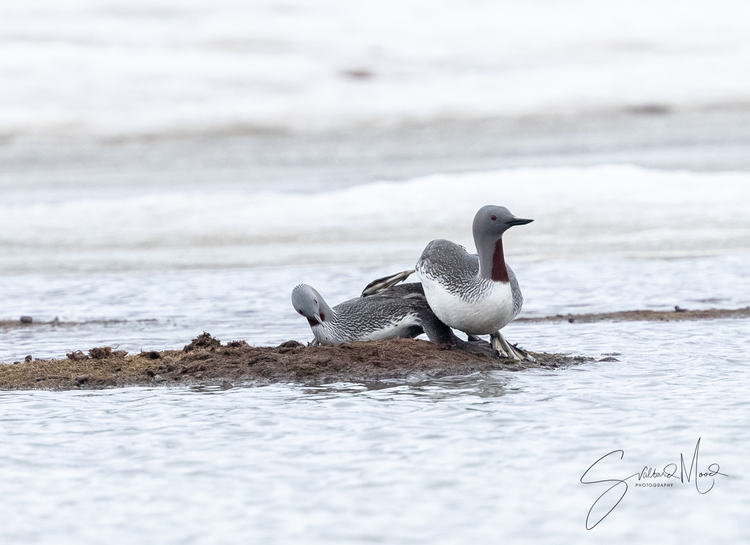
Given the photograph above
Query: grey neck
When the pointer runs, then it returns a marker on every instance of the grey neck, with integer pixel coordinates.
(491, 258)
(485, 251)
(326, 312)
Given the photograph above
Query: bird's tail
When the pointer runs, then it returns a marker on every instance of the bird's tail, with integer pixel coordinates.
(376, 286)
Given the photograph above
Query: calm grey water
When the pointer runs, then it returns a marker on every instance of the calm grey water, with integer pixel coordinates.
(478, 459)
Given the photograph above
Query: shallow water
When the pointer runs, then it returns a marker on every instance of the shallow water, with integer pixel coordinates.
(479, 458)
(483, 458)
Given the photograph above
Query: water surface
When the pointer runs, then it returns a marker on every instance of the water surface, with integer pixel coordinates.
(479, 458)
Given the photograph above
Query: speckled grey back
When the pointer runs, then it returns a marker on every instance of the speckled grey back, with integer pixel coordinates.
(451, 265)
(378, 311)
(516, 291)
(458, 271)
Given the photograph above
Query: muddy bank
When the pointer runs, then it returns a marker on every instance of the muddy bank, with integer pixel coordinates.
(677, 314)
(209, 362)
(627, 315)
(29, 321)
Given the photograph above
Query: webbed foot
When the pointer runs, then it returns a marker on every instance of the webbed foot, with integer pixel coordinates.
(507, 350)
(476, 346)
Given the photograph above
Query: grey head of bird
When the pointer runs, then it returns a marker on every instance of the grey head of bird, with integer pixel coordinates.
(489, 225)
(307, 301)
(492, 221)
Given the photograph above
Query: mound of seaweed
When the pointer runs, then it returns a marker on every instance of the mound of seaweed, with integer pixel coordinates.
(206, 361)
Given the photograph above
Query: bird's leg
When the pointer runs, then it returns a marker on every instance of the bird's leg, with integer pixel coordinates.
(440, 333)
(507, 350)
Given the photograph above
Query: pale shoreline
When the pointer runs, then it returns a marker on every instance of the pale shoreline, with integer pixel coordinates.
(679, 314)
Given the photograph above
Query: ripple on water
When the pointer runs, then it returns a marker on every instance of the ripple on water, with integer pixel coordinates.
(482, 459)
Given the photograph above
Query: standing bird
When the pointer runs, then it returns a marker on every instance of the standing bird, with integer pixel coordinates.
(474, 293)
(385, 313)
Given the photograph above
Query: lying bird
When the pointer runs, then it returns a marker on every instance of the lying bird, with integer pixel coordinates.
(385, 313)
(474, 293)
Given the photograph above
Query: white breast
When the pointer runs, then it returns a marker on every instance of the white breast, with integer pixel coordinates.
(398, 328)
(324, 335)
(481, 317)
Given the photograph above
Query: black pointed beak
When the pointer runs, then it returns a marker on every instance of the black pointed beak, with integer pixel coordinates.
(518, 221)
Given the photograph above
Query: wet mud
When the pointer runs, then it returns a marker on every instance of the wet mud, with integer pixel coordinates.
(678, 314)
(623, 316)
(207, 361)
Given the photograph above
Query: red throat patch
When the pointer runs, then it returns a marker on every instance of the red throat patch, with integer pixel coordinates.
(499, 270)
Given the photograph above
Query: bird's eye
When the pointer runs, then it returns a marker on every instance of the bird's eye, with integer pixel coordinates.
(493, 218)
(315, 301)
(300, 312)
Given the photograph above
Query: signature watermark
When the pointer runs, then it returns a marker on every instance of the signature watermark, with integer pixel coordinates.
(668, 476)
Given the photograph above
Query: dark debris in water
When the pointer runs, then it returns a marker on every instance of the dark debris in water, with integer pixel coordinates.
(206, 361)
(204, 340)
